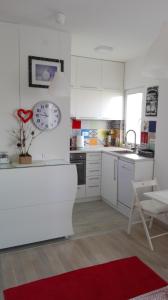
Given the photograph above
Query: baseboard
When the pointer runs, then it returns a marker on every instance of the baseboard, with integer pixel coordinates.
(82, 200)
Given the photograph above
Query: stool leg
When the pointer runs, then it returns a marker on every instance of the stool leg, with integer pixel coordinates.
(151, 222)
(130, 219)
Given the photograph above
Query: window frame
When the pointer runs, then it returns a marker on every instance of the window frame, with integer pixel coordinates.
(130, 92)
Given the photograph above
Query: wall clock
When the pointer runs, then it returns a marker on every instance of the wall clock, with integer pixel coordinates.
(46, 115)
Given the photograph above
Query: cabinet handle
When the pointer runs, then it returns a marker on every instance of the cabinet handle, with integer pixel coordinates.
(115, 172)
(93, 186)
(124, 167)
(88, 87)
(93, 178)
(94, 163)
(93, 171)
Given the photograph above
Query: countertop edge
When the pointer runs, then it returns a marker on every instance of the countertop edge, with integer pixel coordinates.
(110, 150)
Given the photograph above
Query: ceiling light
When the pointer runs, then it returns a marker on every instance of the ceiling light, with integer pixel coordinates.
(103, 48)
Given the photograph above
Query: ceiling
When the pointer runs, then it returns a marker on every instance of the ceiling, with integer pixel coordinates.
(129, 26)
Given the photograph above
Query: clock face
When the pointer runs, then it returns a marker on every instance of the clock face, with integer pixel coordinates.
(46, 115)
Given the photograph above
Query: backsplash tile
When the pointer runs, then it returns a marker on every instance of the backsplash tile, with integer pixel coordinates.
(152, 126)
(148, 134)
(95, 131)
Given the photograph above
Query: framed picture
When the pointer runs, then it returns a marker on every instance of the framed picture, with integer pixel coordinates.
(152, 101)
(42, 70)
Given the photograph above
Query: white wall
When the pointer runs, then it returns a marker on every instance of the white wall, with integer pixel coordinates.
(134, 75)
(161, 162)
(18, 43)
(135, 79)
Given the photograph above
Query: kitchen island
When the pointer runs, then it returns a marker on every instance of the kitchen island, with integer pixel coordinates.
(36, 202)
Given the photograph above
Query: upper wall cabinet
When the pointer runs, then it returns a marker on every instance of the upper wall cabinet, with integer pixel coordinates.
(96, 74)
(85, 103)
(97, 88)
(88, 73)
(112, 75)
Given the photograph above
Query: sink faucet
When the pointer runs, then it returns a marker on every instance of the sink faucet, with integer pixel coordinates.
(131, 130)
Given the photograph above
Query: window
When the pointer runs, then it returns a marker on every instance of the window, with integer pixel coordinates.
(133, 116)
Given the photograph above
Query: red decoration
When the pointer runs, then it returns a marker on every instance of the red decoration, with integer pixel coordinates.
(76, 124)
(25, 115)
(144, 137)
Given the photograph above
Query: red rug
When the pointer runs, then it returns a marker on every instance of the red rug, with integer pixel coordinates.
(118, 280)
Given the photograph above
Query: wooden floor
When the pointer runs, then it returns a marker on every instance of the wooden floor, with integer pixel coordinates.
(91, 245)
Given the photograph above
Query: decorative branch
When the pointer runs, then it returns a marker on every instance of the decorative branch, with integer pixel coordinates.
(24, 137)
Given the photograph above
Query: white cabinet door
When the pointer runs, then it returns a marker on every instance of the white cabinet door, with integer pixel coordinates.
(88, 73)
(86, 103)
(73, 71)
(112, 105)
(109, 178)
(126, 172)
(112, 75)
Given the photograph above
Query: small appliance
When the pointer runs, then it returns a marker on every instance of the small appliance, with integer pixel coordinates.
(146, 153)
(80, 141)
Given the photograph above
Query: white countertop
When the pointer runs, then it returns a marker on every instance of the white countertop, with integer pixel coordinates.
(96, 149)
(133, 157)
(36, 163)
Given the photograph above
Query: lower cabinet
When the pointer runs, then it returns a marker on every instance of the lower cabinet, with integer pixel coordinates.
(109, 178)
(91, 190)
(128, 172)
(117, 177)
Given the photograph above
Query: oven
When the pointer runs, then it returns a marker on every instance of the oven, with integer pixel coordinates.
(79, 159)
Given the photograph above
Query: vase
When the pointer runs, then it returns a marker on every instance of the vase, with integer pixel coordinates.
(25, 159)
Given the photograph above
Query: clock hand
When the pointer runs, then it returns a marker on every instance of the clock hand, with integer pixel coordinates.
(45, 115)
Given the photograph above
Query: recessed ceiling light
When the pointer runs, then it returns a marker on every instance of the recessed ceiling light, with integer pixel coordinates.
(103, 48)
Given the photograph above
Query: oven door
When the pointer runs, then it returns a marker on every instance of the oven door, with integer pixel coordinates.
(81, 170)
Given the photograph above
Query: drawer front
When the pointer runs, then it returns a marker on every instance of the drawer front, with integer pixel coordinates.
(96, 172)
(93, 191)
(93, 181)
(93, 165)
(93, 156)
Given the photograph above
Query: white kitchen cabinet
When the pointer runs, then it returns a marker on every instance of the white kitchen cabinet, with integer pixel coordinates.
(128, 171)
(92, 104)
(85, 103)
(109, 178)
(112, 75)
(91, 191)
(88, 73)
(93, 174)
(112, 105)
(97, 89)
(38, 205)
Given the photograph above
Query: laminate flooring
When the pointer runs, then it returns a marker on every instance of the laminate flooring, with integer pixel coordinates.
(91, 244)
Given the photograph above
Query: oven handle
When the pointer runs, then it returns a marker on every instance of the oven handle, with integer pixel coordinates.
(78, 163)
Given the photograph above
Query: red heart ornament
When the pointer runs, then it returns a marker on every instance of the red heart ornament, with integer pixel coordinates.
(25, 115)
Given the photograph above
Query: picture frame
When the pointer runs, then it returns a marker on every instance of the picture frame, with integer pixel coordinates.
(152, 95)
(41, 70)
